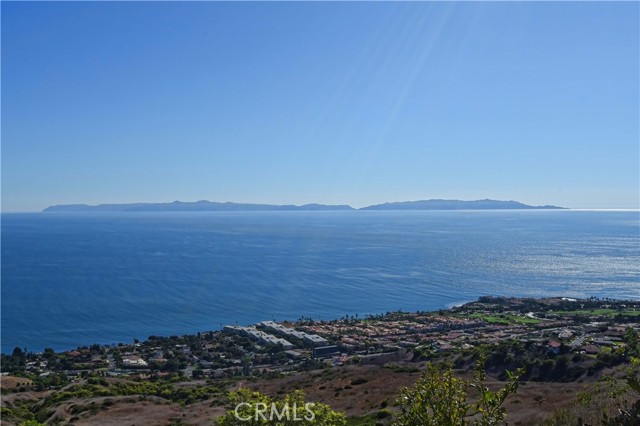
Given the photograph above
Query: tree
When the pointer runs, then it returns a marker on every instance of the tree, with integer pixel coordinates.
(632, 342)
(198, 373)
(255, 409)
(439, 398)
(17, 352)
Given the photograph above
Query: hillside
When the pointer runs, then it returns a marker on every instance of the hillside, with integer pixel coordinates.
(565, 347)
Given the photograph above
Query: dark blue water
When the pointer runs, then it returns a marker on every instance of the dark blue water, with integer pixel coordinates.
(76, 279)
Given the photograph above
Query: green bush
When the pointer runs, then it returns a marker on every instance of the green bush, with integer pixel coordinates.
(439, 398)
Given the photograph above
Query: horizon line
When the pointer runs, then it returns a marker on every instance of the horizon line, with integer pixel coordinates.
(583, 209)
(357, 207)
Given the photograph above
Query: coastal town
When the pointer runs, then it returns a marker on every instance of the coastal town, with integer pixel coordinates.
(556, 339)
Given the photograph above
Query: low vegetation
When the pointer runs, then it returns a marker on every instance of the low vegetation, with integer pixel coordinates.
(609, 402)
(439, 398)
(255, 409)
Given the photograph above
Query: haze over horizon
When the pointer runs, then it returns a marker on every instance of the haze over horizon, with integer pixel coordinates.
(330, 103)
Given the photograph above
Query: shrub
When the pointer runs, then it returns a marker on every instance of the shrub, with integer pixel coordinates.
(440, 399)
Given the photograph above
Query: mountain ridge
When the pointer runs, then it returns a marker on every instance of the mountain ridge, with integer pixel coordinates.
(204, 205)
(439, 204)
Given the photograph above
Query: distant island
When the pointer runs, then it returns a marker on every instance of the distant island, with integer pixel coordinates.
(456, 205)
(180, 206)
(204, 205)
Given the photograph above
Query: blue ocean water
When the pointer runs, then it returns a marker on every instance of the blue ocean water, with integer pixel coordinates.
(78, 279)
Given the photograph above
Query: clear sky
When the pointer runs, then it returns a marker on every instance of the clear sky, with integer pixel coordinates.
(354, 103)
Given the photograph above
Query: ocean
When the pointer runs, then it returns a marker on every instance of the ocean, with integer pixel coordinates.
(77, 279)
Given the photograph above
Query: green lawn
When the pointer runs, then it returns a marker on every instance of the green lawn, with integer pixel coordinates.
(505, 319)
(599, 312)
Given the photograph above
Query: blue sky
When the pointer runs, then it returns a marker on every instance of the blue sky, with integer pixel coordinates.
(355, 103)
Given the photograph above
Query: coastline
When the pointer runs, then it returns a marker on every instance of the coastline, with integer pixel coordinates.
(453, 306)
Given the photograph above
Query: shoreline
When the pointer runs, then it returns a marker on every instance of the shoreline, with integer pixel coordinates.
(357, 317)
